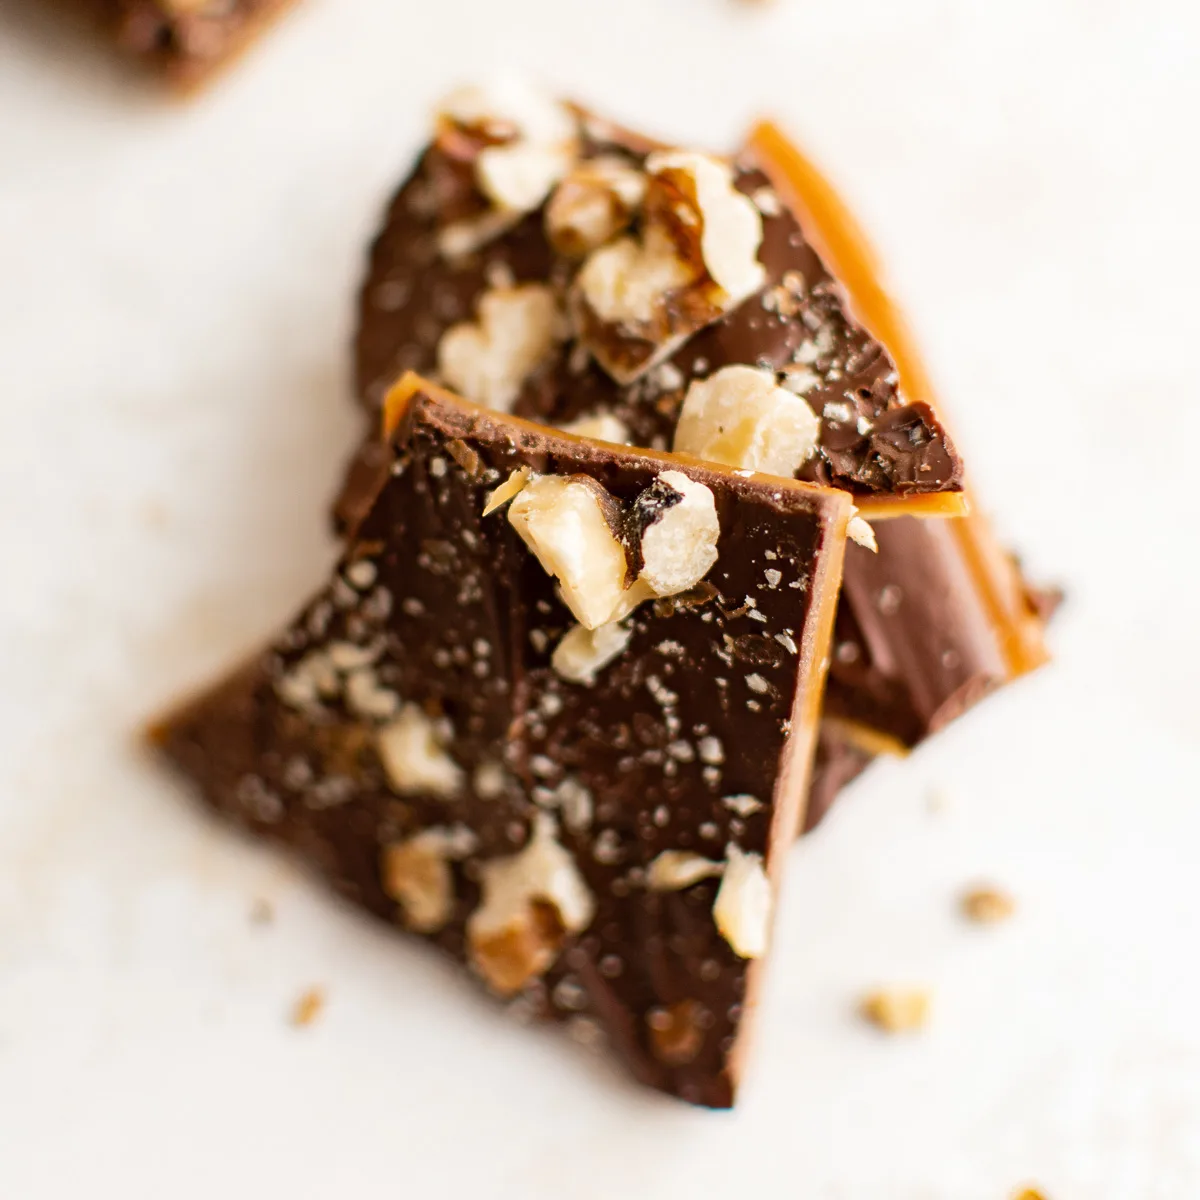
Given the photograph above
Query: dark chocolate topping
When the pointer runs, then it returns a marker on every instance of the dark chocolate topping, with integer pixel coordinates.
(436, 606)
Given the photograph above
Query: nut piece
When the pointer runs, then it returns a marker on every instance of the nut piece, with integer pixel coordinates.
(674, 870)
(678, 544)
(732, 225)
(507, 490)
(987, 905)
(603, 427)
(895, 1010)
(416, 874)
(529, 901)
(412, 755)
(528, 141)
(308, 1007)
(594, 203)
(489, 360)
(676, 1032)
(739, 417)
(571, 523)
(861, 532)
(583, 653)
(638, 298)
(742, 909)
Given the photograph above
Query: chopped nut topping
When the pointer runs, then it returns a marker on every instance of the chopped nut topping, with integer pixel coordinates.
(742, 908)
(604, 427)
(521, 143)
(638, 298)
(583, 652)
(987, 905)
(416, 874)
(896, 1010)
(507, 490)
(529, 901)
(572, 525)
(861, 532)
(739, 417)
(594, 203)
(674, 870)
(743, 805)
(488, 360)
(676, 1032)
(678, 545)
(412, 755)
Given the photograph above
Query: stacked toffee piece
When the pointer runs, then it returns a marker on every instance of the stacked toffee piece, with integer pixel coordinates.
(557, 708)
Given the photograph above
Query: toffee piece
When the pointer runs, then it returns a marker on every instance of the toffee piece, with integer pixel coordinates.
(545, 262)
(187, 41)
(554, 712)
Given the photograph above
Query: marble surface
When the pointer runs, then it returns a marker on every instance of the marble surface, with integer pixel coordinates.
(175, 287)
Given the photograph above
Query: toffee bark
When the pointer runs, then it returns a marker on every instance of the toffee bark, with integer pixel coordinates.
(600, 846)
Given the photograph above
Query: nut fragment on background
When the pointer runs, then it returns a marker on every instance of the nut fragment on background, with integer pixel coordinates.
(308, 1007)
(896, 1010)
(583, 653)
(987, 905)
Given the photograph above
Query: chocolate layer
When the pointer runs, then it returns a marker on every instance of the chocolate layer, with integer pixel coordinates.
(696, 737)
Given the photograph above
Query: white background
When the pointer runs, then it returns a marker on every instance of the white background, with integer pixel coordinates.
(175, 309)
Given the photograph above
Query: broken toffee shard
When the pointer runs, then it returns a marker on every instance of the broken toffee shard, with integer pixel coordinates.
(544, 262)
(941, 616)
(554, 712)
(186, 41)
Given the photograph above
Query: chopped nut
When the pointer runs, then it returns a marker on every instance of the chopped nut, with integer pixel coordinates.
(742, 908)
(507, 490)
(416, 874)
(678, 536)
(308, 1007)
(529, 901)
(594, 203)
(638, 298)
(674, 870)
(731, 225)
(527, 141)
(572, 525)
(413, 757)
(742, 804)
(987, 905)
(1028, 1193)
(604, 427)
(583, 652)
(896, 1010)
(739, 417)
(861, 532)
(676, 1032)
(488, 360)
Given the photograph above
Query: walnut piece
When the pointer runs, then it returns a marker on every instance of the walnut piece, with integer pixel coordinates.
(410, 748)
(520, 143)
(488, 360)
(583, 652)
(678, 545)
(742, 908)
(896, 1010)
(987, 905)
(530, 900)
(674, 870)
(416, 874)
(572, 525)
(739, 417)
(695, 258)
(507, 490)
(594, 203)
